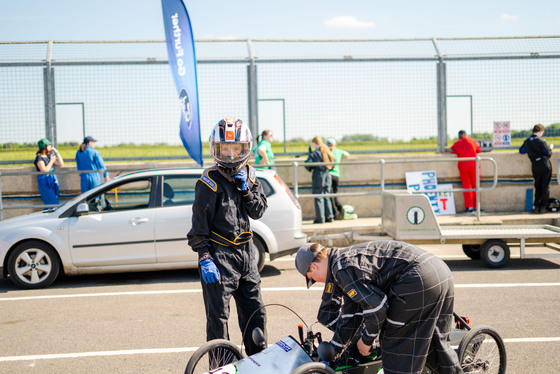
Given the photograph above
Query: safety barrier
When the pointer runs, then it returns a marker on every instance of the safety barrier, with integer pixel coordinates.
(295, 165)
(58, 172)
(383, 162)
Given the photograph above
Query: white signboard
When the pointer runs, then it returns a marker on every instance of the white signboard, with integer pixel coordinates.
(425, 181)
(446, 201)
(502, 134)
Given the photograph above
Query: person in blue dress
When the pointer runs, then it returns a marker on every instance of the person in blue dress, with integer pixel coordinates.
(47, 156)
(88, 158)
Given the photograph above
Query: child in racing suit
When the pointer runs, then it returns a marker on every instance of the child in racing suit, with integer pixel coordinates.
(226, 195)
(386, 288)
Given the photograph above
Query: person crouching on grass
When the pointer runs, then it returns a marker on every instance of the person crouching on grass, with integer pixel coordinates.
(387, 288)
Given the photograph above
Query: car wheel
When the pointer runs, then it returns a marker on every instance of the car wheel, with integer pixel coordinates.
(33, 264)
(260, 249)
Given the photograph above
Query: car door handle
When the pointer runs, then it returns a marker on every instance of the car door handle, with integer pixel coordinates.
(137, 221)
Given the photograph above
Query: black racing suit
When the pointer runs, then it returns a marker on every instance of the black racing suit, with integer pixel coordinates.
(539, 153)
(221, 229)
(395, 290)
(320, 184)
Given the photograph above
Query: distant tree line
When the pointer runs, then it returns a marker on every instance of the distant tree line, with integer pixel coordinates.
(552, 130)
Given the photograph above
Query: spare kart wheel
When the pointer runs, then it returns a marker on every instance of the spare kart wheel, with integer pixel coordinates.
(472, 251)
(494, 253)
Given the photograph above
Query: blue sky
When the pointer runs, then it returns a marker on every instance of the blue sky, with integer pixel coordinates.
(33, 20)
(97, 20)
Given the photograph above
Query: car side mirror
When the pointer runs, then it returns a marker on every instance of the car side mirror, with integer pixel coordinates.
(82, 209)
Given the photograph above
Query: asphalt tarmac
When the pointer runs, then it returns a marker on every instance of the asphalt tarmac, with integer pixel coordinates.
(152, 322)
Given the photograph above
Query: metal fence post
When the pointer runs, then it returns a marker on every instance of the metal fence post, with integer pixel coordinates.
(295, 165)
(1, 206)
(253, 98)
(382, 182)
(442, 105)
(441, 99)
(477, 188)
(49, 95)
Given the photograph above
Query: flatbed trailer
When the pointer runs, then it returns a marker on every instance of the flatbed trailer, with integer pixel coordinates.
(410, 218)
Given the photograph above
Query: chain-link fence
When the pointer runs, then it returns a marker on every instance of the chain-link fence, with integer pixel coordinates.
(371, 95)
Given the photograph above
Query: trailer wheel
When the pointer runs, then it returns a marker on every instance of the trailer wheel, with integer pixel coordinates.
(472, 251)
(494, 253)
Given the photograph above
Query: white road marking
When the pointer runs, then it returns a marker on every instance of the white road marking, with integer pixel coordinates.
(98, 353)
(532, 340)
(122, 293)
(503, 285)
(271, 289)
(192, 349)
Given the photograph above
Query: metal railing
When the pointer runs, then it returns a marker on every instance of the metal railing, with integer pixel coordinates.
(44, 206)
(295, 165)
(383, 162)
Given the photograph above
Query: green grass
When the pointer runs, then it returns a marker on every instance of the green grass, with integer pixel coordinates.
(131, 151)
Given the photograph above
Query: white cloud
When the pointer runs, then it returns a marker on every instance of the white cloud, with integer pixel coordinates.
(509, 17)
(348, 22)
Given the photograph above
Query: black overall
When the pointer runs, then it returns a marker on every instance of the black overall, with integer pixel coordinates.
(394, 290)
(539, 153)
(221, 228)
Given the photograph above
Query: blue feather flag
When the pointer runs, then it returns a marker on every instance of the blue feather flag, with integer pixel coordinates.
(182, 61)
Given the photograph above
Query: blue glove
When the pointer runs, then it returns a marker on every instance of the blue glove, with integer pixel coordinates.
(241, 180)
(210, 273)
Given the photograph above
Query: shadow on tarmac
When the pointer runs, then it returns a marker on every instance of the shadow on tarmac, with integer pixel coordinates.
(116, 279)
(512, 264)
(191, 275)
(270, 271)
(121, 279)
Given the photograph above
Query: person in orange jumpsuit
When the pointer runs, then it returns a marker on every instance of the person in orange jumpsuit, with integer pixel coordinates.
(467, 147)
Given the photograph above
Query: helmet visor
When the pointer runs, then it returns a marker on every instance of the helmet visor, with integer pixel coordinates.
(231, 153)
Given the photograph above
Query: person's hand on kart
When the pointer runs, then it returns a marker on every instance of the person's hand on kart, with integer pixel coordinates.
(364, 349)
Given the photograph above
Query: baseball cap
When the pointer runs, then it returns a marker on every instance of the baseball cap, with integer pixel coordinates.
(304, 258)
(331, 141)
(43, 143)
(88, 139)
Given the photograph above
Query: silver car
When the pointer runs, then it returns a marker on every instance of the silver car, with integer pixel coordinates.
(134, 222)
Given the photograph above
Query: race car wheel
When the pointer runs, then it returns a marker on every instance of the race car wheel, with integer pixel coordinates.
(313, 367)
(482, 350)
(260, 249)
(472, 251)
(494, 253)
(212, 355)
(33, 264)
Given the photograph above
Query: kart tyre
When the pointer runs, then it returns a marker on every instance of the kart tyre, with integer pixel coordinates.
(494, 253)
(260, 248)
(33, 264)
(472, 251)
(213, 354)
(482, 349)
(313, 367)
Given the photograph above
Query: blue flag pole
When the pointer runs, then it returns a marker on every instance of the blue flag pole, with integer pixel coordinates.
(182, 61)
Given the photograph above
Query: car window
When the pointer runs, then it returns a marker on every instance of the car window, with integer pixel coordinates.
(178, 189)
(125, 196)
(267, 188)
